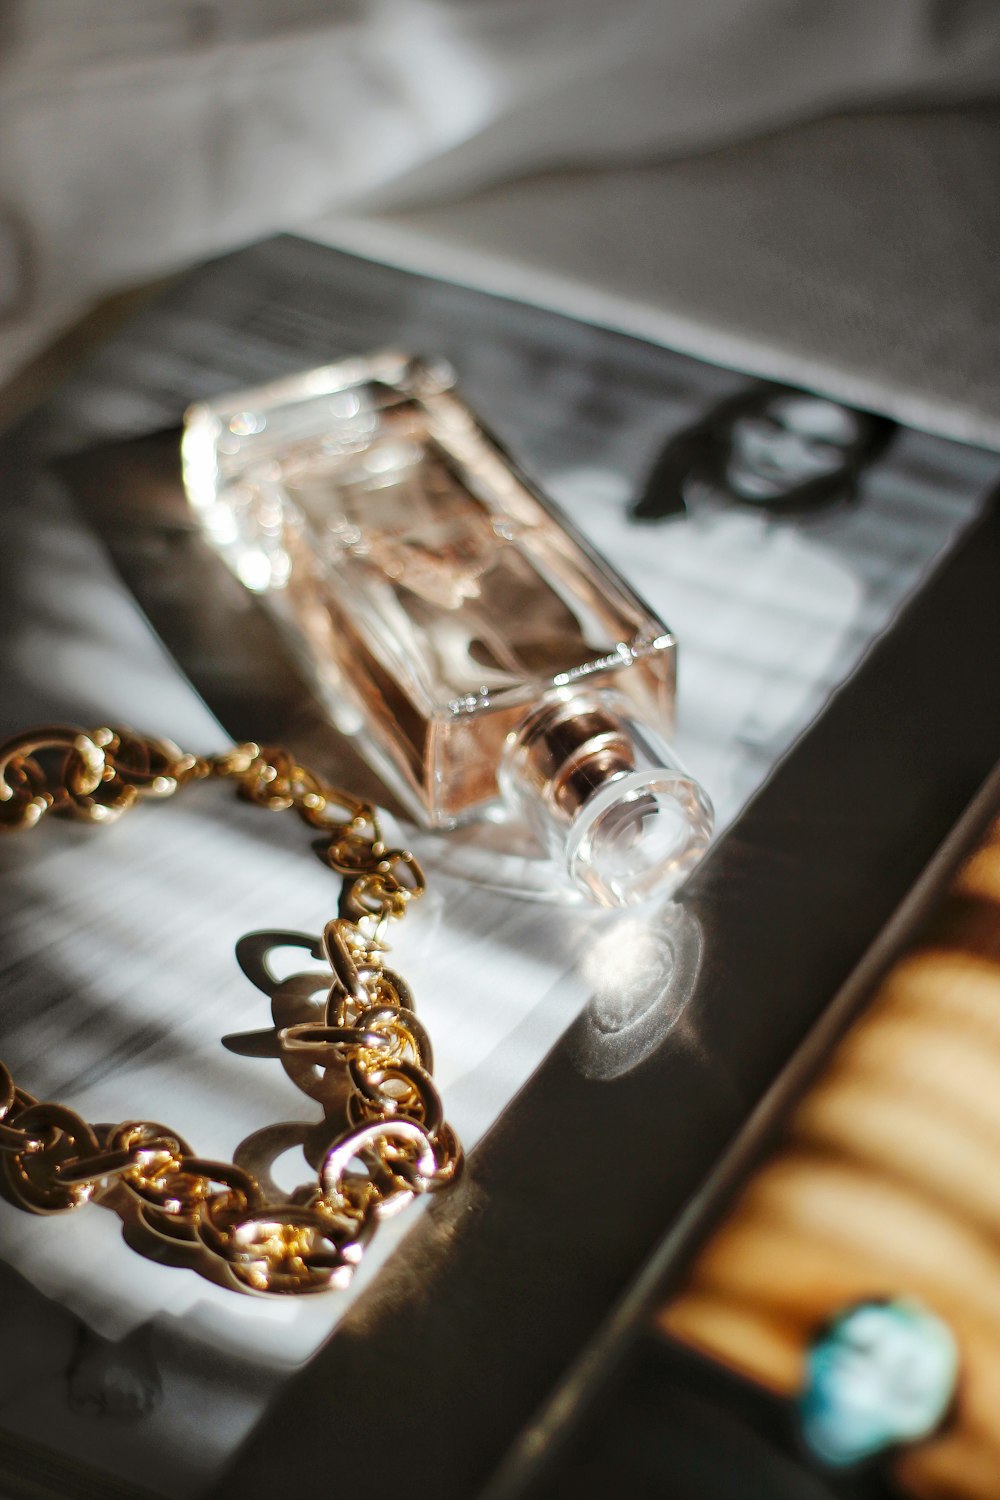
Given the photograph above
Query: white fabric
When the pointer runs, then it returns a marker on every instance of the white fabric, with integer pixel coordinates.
(854, 255)
(134, 140)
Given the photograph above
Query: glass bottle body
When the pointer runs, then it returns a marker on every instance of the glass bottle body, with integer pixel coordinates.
(434, 599)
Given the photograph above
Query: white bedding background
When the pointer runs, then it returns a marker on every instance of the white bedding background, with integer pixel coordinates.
(135, 140)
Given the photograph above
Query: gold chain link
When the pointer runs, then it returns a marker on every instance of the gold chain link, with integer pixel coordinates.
(397, 1144)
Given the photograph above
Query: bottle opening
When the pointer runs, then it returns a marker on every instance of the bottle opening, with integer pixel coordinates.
(607, 798)
(638, 837)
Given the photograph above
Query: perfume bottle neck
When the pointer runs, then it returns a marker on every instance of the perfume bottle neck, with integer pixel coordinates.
(606, 797)
(566, 749)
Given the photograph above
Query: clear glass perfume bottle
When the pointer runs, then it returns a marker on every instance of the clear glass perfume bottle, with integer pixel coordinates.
(450, 616)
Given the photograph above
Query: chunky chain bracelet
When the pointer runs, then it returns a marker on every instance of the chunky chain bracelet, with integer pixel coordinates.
(395, 1144)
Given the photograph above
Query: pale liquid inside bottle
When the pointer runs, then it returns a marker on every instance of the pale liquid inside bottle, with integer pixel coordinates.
(424, 582)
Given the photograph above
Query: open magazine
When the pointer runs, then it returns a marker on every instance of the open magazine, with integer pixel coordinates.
(118, 953)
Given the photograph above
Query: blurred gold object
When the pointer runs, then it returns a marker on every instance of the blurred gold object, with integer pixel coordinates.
(886, 1181)
(396, 1145)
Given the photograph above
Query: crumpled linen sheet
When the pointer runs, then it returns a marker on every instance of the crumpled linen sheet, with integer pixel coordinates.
(134, 141)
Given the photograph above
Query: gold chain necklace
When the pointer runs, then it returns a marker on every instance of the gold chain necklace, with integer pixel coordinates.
(396, 1144)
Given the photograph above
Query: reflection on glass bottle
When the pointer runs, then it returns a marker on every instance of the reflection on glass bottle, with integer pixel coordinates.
(439, 605)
